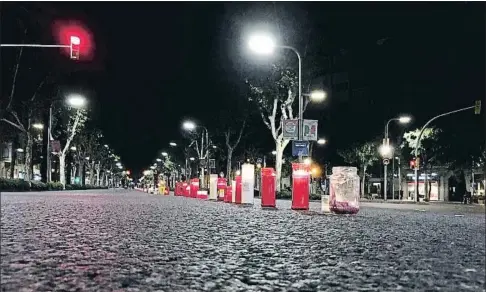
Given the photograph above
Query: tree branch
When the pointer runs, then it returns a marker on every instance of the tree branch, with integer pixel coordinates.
(13, 124)
(12, 92)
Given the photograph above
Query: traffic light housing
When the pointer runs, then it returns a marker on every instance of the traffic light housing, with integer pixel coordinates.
(412, 164)
(477, 107)
(415, 163)
(75, 42)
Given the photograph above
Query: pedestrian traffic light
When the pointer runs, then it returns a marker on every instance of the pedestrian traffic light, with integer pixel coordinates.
(477, 107)
(412, 164)
(74, 47)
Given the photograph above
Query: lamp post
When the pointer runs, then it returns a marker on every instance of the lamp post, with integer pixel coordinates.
(477, 110)
(265, 45)
(387, 150)
(191, 126)
(74, 100)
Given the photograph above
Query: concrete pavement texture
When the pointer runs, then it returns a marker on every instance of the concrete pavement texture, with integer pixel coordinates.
(120, 240)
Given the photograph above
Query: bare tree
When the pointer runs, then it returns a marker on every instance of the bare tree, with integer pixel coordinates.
(21, 115)
(74, 125)
(275, 98)
(231, 146)
(363, 156)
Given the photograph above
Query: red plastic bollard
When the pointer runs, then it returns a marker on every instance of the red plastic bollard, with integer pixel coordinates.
(194, 187)
(203, 195)
(300, 186)
(221, 185)
(185, 189)
(268, 188)
(177, 189)
(228, 195)
(238, 189)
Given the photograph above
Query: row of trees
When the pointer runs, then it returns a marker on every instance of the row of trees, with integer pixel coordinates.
(25, 110)
(435, 151)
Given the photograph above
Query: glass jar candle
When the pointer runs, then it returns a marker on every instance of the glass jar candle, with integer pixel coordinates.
(344, 190)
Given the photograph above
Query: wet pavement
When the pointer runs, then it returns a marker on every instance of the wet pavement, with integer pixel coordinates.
(119, 240)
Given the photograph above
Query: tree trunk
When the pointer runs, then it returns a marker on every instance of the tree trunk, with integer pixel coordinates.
(228, 165)
(91, 173)
(363, 183)
(98, 183)
(62, 168)
(28, 158)
(81, 172)
(278, 165)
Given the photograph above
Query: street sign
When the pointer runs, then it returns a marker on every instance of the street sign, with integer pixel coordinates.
(310, 130)
(386, 161)
(300, 148)
(212, 163)
(290, 129)
(477, 107)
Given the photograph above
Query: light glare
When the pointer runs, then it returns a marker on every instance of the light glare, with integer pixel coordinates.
(262, 44)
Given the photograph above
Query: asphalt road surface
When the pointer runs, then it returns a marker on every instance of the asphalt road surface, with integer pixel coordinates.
(131, 241)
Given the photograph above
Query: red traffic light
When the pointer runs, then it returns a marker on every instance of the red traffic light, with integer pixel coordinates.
(77, 39)
(75, 43)
(412, 164)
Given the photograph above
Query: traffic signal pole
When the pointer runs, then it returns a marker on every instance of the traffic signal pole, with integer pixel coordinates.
(477, 109)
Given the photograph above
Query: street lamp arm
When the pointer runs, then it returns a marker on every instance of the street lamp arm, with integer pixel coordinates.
(433, 119)
(387, 125)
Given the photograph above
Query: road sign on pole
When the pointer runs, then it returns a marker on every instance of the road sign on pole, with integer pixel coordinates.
(310, 130)
(300, 148)
(290, 129)
(212, 163)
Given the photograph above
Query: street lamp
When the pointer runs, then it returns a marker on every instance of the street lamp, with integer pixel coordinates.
(274, 152)
(172, 144)
(191, 126)
(321, 141)
(74, 100)
(386, 150)
(38, 126)
(264, 44)
(165, 154)
(158, 160)
(318, 95)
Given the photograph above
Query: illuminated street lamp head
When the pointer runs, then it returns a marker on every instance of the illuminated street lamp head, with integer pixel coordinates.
(192, 158)
(318, 95)
(321, 141)
(274, 152)
(189, 126)
(215, 147)
(158, 160)
(76, 100)
(38, 126)
(404, 119)
(164, 154)
(172, 144)
(106, 146)
(386, 150)
(262, 44)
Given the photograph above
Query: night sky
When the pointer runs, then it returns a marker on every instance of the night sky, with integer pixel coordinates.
(157, 63)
